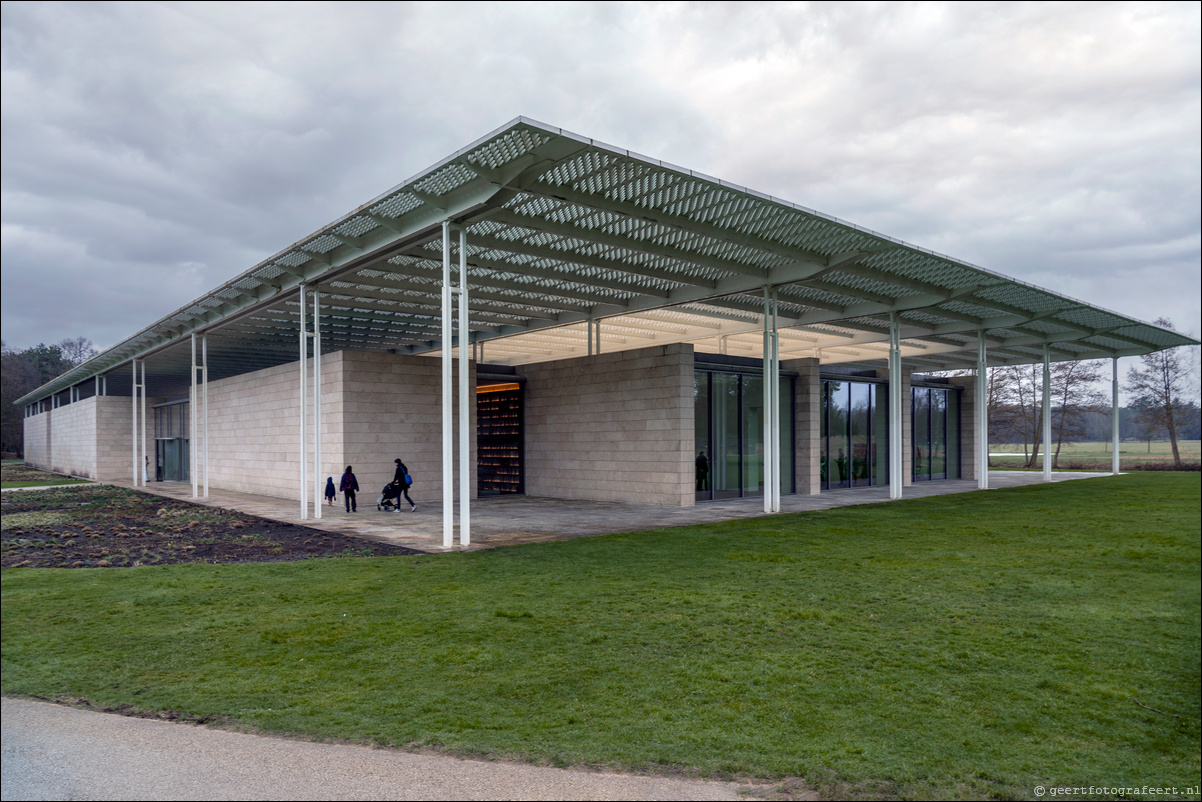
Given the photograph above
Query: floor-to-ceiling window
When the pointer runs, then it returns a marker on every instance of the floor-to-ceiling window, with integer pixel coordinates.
(935, 433)
(171, 424)
(853, 433)
(729, 434)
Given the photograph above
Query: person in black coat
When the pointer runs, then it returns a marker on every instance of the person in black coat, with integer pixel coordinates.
(401, 481)
(349, 487)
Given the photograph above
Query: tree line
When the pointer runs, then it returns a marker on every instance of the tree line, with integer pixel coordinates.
(23, 372)
(1159, 404)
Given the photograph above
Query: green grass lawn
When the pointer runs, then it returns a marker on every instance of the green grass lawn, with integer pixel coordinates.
(1097, 456)
(15, 474)
(966, 646)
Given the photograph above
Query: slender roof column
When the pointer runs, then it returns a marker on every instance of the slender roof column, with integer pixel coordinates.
(1114, 415)
(204, 361)
(302, 351)
(316, 404)
(982, 414)
(1047, 416)
(895, 409)
(465, 417)
(133, 427)
(448, 468)
(193, 405)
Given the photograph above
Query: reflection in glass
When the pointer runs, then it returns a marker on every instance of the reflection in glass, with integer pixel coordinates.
(921, 445)
(725, 462)
(753, 435)
(728, 413)
(701, 427)
(839, 460)
(858, 421)
(938, 434)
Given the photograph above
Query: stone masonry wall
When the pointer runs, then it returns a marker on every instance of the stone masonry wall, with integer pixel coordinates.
(808, 423)
(89, 438)
(393, 408)
(612, 427)
(254, 430)
(968, 425)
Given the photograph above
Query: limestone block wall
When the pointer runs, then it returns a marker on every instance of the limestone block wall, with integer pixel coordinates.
(114, 453)
(89, 438)
(73, 439)
(808, 424)
(391, 406)
(37, 440)
(612, 427)
(969, 467)
(254, 437)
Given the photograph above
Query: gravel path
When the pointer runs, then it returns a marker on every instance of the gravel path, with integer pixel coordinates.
(53, 752)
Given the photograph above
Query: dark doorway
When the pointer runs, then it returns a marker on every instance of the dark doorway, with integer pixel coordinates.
(499, 446)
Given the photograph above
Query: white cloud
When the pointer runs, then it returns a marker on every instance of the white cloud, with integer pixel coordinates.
(152, 151)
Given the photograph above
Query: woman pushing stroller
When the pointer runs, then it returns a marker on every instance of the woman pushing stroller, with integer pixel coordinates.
(401, 482)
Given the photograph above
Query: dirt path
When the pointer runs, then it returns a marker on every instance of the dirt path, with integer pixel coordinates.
(54, 752)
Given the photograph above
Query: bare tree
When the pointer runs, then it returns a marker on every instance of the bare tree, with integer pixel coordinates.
(76, 350)
(1016, 404)
(1159, 386)
(1074, 393)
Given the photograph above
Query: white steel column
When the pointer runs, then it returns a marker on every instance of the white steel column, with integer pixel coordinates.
(777, 451)
(771, 386)
(465, 418)
(193, 410)
(143, 470)
(448, 468)
(1114, 415)
(895, 409)
(590, 336)
(133, 427)
(302, 350)
(204, 362)
(1047, 417)
(317, 487)
(982, 414)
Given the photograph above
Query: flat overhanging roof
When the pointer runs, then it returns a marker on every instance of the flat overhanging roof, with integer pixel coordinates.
(562, 230)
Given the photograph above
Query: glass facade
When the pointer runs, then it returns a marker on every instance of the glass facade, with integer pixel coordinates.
(935, 433)
(171, 457)
(728, 409)
(854, 434)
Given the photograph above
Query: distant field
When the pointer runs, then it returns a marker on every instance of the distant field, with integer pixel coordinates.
(1132, 454)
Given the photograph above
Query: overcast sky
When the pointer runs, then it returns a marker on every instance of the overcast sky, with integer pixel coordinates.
(153, 150)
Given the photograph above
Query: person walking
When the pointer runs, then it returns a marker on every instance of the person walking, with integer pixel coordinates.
(403, 482)
(349, 486)
(330, 491)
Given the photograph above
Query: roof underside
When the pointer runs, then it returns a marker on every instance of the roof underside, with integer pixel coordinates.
(562, 230)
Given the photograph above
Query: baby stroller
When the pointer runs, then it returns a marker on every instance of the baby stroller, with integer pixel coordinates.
(389, 499)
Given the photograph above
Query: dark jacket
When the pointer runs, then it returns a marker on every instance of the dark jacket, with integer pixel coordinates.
(349, 482)
(399, 477)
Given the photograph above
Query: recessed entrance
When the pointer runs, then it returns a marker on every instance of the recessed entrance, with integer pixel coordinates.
(171, 455)
(499, 444)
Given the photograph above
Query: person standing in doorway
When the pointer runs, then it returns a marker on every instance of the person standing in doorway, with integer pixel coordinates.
(403, 481)
(349, 486)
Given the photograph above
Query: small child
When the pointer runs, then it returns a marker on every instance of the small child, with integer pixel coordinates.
(330, 491)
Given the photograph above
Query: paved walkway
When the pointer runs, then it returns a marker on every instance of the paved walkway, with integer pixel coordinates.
(53, 752)
(511, 520)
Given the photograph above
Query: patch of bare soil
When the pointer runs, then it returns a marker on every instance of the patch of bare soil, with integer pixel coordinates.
(100, 526)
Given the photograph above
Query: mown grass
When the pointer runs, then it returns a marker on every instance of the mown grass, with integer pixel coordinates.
(16, 474)
(969, 646)
(1097, 456)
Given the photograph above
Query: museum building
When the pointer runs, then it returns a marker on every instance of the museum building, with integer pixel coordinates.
(544, 314)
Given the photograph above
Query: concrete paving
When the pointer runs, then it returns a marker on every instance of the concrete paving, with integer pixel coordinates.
(54, 752)
(512, 520)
